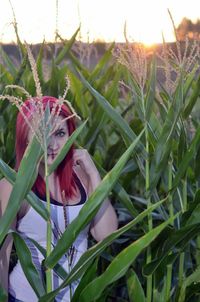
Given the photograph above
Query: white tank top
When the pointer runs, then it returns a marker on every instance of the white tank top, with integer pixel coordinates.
(32, 225)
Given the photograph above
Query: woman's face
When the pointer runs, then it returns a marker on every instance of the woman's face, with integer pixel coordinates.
(57, 139)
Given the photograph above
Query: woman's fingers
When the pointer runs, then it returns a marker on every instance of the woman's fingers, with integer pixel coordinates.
(82, 158)
(79, 155)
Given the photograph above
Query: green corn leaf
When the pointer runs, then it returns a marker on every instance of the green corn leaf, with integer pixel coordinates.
(192, 278)
(159, 295)
(123, 197)
(112, 93)
(24, 181)
(74, 60)
(153, 132)
(22, 48)
(66, 48)
(53, 86)
(116, 117)
(99, 121)
(102, 63)
(182, 144)
(8, 62)
(90, 208)
(151, 90)
(109, 91)
(21, 70)
(80, 98)
(135, 290)
(39, 63)
(197, 164)
(58, 268)
(5, 76)
(28, 267)
(163, 146)
(151, 267)
(187, 158)
(191, 78)
(7, 172)
(178, 240)
(88, 276)
(191, 216)
(108, 109)
(192, 99)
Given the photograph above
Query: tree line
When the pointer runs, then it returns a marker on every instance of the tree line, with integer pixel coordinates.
(188, 28)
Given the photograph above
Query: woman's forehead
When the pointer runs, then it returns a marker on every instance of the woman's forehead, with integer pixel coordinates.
(57, 122)
(60, 122)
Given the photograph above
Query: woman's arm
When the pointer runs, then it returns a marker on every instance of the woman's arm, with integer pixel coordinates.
(105, 222)
(5, 251)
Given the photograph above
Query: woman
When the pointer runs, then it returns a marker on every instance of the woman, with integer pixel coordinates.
(70, 186)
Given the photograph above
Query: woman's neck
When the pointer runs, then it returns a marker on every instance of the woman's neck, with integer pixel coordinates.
(54, 188)
(53, 183)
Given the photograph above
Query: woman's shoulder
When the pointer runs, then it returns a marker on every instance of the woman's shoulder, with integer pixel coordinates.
(5, 191)
(5, 188)
(5, 184)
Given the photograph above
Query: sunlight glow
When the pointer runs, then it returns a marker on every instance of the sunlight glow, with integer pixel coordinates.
(100, 20)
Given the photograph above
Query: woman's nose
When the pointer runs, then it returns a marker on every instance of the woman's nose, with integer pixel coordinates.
(53, 145)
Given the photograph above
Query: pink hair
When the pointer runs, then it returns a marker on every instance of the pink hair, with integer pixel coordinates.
(64, 170)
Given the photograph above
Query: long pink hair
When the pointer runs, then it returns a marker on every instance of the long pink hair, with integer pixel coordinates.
(64, 170)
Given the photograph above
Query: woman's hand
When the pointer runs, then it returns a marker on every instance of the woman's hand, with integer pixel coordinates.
(83, 159)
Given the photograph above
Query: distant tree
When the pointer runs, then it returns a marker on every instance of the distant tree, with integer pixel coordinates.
(189, 29)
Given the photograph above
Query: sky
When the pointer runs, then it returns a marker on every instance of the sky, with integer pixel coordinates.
(101, 20)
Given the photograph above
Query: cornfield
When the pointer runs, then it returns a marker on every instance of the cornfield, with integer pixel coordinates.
(140, 123)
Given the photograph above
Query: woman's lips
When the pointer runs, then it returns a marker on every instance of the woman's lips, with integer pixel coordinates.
(53, 155)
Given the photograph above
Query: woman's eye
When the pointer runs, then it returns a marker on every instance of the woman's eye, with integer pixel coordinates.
(60, 133)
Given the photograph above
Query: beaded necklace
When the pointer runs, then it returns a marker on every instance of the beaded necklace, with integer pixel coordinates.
(72, 250)
(71, 253)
